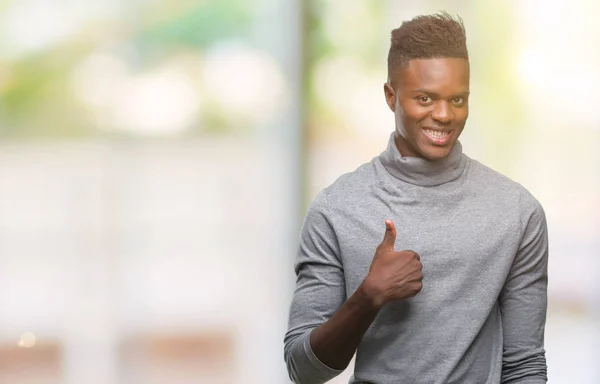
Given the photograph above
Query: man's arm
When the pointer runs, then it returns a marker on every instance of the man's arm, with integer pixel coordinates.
(324, 331)
(523, 303)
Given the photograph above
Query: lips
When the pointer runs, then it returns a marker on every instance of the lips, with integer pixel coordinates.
(437, 136)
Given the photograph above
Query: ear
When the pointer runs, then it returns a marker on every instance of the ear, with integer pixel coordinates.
(390, 96)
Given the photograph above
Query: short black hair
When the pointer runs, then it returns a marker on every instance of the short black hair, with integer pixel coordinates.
(425, 37)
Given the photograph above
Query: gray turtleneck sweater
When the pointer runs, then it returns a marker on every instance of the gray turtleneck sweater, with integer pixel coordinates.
(483, 244)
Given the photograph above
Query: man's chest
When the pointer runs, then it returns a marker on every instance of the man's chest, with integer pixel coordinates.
(460, 246)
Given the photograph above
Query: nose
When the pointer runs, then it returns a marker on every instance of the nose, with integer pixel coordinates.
(442, 112)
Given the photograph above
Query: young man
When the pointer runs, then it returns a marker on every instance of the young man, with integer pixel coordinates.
(456, 290)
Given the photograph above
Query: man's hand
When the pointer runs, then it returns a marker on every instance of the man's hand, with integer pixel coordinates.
(393, 275)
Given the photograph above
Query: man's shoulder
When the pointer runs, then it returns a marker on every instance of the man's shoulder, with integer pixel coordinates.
(500, 186)
(352, 185)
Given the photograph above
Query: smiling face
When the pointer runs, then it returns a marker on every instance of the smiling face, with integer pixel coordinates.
(430, 100)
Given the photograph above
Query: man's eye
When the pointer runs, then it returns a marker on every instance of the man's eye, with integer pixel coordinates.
(458, 100)
(425, 99)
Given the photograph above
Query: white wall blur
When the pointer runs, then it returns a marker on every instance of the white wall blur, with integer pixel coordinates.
(155, 255)
(105, 243)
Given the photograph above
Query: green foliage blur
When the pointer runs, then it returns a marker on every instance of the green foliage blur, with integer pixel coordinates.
(36, 94)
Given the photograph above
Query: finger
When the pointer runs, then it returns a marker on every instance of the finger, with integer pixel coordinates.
(390, 236)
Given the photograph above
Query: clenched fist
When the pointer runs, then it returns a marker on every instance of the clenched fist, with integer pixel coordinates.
(393, 275)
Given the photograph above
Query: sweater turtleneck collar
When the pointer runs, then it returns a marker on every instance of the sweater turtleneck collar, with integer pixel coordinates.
(419, 171)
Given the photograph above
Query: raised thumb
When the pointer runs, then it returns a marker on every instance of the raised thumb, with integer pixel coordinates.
(390, 235)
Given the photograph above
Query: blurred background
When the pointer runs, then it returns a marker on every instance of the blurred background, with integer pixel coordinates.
(157, 158)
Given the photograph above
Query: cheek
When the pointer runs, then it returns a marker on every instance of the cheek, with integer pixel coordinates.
(462, 114)
(414, 113)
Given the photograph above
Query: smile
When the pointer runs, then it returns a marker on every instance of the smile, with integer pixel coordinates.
(436, 136)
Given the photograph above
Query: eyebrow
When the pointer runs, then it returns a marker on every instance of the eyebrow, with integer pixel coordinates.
(422, 90)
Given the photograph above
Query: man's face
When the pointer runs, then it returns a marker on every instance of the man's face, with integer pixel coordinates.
(430, 100)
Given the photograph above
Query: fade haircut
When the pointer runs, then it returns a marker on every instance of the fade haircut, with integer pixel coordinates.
(426, 37)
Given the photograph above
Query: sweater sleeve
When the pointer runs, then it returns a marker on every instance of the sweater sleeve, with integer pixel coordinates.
(523, 303)
(320, 292)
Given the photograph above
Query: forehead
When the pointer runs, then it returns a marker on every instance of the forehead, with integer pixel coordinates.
(441, 75)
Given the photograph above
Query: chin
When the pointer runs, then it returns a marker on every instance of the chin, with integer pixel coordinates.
(434, 153)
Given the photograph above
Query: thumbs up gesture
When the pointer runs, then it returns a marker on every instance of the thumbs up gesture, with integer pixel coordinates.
(393, 275)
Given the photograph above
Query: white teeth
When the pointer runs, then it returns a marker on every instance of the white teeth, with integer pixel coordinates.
(436, 134)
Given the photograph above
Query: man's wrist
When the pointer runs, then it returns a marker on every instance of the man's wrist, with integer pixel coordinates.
(369, 296)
